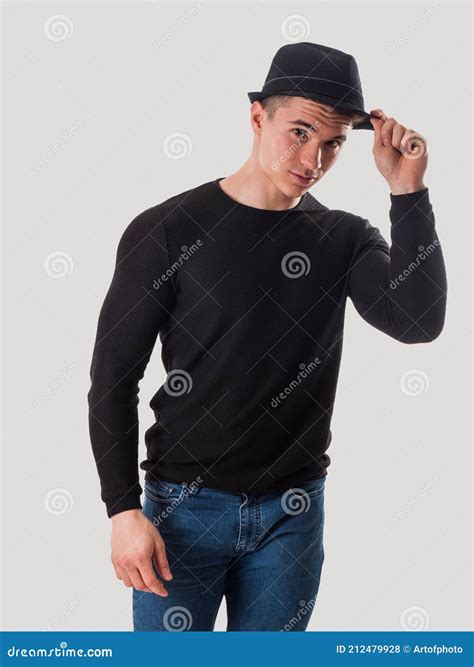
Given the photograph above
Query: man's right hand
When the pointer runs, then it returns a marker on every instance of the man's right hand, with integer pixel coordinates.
(135, 541)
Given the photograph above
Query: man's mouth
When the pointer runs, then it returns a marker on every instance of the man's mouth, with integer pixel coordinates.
(301, 180)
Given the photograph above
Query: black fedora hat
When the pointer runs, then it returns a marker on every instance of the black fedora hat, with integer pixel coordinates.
(320, 73)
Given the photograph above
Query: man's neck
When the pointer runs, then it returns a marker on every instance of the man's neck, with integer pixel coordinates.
(250, 185)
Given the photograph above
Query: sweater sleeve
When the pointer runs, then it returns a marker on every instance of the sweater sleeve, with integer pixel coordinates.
(139, 299)
(402, 289)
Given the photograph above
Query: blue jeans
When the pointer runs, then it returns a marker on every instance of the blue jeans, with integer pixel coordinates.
(263, 553)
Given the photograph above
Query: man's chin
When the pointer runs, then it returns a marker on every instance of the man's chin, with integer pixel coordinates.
(290, 188)
(294, 190)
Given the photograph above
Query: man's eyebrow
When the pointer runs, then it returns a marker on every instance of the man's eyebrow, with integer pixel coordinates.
(342, 137)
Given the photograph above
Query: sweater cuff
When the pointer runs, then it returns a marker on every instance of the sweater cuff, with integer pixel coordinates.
(412, 201)
(128, 502)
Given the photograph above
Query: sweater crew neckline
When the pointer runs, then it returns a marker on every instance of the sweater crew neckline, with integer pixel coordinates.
(268, 212)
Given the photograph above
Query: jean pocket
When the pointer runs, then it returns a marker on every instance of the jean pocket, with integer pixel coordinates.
(312, 487)
(160, 490)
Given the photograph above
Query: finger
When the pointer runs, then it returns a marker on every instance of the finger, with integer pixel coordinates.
(137, 580)
(397, 136)
(122, 574)
(387, 129)
(377, 125)
(161, 560)
(379, 113)
(119, 572)
(150, 579)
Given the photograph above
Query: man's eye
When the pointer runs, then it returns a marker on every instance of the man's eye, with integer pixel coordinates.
(335, 141)
(303, 134)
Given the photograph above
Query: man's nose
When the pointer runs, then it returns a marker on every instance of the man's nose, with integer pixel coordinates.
(311, 158)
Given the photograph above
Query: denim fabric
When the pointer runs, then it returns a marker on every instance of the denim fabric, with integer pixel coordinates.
(264, 553)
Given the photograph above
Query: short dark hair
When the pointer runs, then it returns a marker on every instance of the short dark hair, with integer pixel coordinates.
(273, 102)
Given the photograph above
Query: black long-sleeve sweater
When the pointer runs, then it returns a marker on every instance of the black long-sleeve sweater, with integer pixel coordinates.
(249, 306)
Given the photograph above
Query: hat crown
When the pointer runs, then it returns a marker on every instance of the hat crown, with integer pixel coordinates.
(317, 71)
(306, 59)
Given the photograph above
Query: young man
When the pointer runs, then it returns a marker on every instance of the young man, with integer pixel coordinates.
(245, 279)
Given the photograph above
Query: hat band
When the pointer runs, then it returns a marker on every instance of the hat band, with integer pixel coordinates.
(334, 89)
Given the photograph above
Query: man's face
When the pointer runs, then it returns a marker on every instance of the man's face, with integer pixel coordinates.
(302, 139)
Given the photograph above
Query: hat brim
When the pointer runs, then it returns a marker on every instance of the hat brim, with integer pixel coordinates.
(364, 124)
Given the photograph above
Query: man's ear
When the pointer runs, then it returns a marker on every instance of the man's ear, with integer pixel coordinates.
(256, 116)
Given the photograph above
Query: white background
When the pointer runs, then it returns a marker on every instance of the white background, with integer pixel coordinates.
(84, 121)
